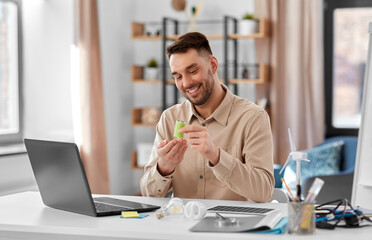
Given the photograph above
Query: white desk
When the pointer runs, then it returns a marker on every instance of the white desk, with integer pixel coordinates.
(24, 216)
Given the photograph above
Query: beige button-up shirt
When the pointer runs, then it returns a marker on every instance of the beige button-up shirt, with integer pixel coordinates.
(245, 170)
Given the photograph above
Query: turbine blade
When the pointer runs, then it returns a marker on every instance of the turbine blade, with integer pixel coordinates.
(285, 164)
(293, 147)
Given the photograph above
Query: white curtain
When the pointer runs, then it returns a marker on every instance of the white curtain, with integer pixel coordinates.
(294, 52)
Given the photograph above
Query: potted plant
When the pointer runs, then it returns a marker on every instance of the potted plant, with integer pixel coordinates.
(248, 24)
(151, 70)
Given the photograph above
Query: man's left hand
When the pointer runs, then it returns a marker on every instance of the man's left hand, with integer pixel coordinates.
(200, 141)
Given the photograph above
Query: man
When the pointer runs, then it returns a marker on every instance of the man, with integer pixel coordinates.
(227, 150)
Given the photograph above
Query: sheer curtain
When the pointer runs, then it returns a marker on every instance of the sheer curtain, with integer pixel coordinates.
(89, 118)
(294, 52)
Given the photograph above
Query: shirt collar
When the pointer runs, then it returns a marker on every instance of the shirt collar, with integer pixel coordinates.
(222, 112)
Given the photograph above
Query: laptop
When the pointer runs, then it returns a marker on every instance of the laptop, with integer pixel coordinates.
(62, 182)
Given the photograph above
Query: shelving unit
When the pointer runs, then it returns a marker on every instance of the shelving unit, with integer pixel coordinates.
(263, 32)
(138, 33)
(168, 34)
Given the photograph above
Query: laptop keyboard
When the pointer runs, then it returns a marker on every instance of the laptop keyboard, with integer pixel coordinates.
(101, 207)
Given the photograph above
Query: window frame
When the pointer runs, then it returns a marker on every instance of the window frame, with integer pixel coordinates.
(16, 138)
(329, 7)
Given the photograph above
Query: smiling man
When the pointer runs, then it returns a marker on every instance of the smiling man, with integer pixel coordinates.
(227, 152)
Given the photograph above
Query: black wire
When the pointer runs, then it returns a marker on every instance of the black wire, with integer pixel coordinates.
(349, 223)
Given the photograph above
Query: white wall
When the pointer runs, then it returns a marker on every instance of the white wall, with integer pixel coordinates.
(16, 174)
(117, 54)
(47, 34)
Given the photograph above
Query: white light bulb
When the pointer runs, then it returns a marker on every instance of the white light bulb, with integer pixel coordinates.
(174, 206)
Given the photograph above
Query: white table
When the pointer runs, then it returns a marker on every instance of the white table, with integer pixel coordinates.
(24, 216)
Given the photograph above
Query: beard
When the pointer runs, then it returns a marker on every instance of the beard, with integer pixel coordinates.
(207, 86)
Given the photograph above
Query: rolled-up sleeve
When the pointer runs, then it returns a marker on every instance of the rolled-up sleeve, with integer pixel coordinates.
(152, 183)
(252, 178)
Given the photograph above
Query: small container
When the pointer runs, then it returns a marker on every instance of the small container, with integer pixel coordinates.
(179, 124)
(301, 218)
(227, 222)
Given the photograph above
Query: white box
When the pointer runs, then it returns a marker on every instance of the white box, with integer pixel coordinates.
(143, 153)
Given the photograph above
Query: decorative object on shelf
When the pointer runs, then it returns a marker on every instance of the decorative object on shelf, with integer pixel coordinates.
(150, 115)
(245, 73)
(195, 12)
(253, 71)
(248, 24)
(151, 70)
(143, 153)
(179, 5)
(153, 32)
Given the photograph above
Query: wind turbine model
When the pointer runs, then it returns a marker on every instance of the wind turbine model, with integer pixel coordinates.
(298, 157)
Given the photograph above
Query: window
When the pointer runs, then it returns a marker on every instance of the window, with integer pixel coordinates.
(10, 84)
(345, 51)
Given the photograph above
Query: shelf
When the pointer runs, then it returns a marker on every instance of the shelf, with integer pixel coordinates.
(263, 32)
(263, 76)
(147, 117)
(137, 77)
(210, 37)
(137, 74)
(147, 38)
(151, 81)
(138, 33)
(134, 162)
(263, 27)
(147, 81)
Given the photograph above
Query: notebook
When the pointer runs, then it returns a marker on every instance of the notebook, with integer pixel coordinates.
(239, 221)
(62, 182)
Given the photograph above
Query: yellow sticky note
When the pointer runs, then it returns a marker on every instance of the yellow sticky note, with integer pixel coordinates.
(129, 214)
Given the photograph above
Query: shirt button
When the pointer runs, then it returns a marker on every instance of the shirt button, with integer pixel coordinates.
(159, 190)
(204, 125)
(201, 176)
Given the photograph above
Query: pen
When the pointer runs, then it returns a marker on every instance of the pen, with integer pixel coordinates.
(289, 191)
(298, 193)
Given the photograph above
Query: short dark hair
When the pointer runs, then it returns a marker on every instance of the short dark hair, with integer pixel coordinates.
(191, 40)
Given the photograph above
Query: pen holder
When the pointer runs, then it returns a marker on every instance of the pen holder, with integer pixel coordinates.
(301, 218)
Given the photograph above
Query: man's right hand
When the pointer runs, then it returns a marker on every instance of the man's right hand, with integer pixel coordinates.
(171, 154)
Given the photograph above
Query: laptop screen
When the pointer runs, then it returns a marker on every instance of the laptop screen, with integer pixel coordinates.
(60, 175)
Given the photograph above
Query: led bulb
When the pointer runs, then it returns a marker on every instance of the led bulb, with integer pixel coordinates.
(174, 206)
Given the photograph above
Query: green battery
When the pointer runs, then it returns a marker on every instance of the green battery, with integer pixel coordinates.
(179, 124)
